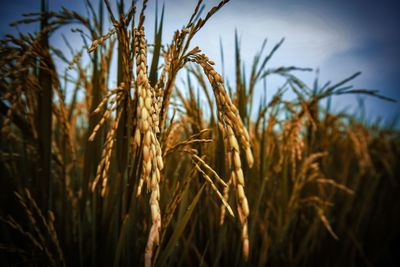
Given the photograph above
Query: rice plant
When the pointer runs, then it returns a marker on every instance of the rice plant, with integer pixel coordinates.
(139, 175)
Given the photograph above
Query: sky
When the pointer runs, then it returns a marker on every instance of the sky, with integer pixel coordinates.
(337, 37)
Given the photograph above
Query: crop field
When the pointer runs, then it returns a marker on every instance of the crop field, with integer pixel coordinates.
(175, 166)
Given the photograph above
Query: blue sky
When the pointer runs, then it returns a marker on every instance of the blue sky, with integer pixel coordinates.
(338, 37)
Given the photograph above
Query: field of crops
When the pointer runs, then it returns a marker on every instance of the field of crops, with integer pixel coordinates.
(170, 167)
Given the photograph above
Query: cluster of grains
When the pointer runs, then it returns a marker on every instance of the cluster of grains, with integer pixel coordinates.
(360, 139)
(234, 133)
(102, 169)
(124, 21)
(294, 145)
(158, 99)
(147, 115)
(102, 39)
(104, 166)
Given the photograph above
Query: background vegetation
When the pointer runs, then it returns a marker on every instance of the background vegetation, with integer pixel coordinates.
(294, 185)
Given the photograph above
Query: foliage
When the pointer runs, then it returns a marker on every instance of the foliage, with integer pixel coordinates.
(310, 187)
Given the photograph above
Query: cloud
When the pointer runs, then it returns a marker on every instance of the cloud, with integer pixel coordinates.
(311, 40)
